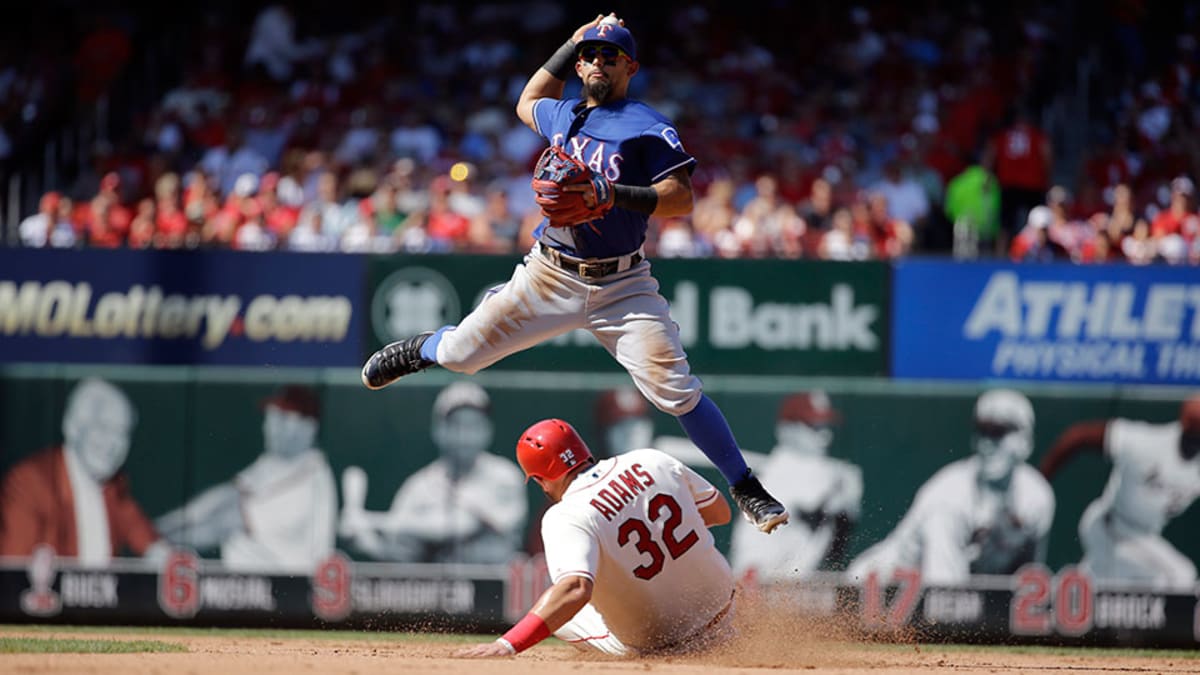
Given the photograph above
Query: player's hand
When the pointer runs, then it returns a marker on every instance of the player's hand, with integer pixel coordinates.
(589, 192)
(592, 24)
(484, 651)
(578, 35)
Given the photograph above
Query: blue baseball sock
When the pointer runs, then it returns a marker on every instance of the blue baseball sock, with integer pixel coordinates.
(429, 347)
(707, 428)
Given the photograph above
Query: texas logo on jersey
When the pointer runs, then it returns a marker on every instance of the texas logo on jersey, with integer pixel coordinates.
(592, 153)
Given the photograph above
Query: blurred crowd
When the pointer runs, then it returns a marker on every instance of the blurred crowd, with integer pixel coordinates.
(832, 131)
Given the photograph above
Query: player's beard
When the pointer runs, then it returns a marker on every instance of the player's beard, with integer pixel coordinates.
(598, 89)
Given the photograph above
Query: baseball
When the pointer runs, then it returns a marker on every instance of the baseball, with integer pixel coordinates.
(610, 20)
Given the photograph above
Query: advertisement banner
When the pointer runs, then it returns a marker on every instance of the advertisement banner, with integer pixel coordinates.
(735, 316)
(1104, 323)
(180, 307)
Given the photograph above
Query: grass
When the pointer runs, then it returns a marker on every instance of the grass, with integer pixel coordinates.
(258, 633)
(32, 645)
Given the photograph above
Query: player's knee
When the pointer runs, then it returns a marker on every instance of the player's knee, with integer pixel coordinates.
(675, 401)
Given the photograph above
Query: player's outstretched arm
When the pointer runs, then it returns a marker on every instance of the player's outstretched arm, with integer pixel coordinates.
(1077, 437)
(552, 611)
(548, 81)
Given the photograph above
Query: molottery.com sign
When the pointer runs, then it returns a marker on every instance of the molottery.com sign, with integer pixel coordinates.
(179, 308)
(1111, 323)
(734, 316)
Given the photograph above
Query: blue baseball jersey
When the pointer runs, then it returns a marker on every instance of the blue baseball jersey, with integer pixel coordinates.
(626, 140)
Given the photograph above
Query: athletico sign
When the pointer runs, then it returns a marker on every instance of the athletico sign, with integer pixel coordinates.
(1053, 322)
(204, 308)
(734, 316)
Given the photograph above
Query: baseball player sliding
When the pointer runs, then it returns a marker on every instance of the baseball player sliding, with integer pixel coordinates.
(612, 163)
(633, 564)
(1155, 477)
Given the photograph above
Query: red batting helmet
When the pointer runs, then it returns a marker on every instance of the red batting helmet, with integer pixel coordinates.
(551, 448)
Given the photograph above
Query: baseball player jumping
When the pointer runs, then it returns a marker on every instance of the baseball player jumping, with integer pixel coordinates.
(628, 549)
(612, 163)
(1155, 477)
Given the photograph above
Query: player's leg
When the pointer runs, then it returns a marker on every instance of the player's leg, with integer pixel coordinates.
(633, 322)
(539, 302)
(1151, 559)
(1099, 547)
(587, 630)
(1112, 553)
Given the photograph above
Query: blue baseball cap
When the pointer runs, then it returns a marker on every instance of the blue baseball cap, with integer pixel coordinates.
(613, 35)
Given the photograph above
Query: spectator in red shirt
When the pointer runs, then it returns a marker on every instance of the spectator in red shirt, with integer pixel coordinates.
(118, 216)
(278, 218)
(1020, 156)
(892, 238)
(444, 223)
(1174, 219)
(102, 55)
(141, 229)
(97, 224)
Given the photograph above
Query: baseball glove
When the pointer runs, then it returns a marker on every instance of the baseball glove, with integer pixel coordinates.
(568, 191)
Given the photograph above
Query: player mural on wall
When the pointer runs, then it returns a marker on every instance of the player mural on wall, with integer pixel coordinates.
(1155, 477)
(613, 162)
(823, 494)
(989, 513)
(622, 418)
(278, 514)
(74, 497)
(467, 506)
(633, 565)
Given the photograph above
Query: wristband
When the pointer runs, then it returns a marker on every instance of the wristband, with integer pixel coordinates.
(507, 645)
(635, 198)
(562, 64)
(527, 633)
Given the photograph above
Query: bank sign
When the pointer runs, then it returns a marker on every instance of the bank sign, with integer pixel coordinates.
(218, 307)
(1109, 323)
(735, 316)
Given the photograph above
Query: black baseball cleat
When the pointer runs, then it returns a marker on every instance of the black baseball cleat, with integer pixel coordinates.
(395, 361)
(757, 505)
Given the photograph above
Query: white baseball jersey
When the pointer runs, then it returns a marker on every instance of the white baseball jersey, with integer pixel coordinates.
(1150, 482)
(290, 506)
(958, 525)
(815, 489)
(483, 511)
(632, 524)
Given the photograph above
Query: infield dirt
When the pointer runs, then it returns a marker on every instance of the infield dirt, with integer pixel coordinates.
(767, 643)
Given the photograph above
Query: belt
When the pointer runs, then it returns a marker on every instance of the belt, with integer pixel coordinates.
(590, 268)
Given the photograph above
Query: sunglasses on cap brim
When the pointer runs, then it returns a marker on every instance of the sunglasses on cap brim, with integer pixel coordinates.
(607, 52)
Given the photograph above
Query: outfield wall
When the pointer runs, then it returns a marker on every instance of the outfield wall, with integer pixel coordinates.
(198, 429)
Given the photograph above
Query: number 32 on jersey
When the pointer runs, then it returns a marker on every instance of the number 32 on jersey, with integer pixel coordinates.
(635, 531)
